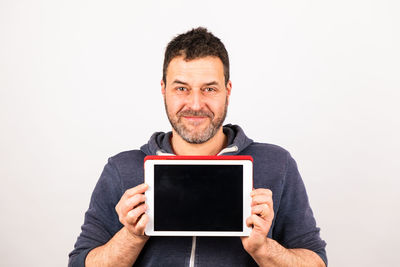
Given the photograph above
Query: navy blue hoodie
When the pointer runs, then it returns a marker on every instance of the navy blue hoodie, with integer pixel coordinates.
(293, 226)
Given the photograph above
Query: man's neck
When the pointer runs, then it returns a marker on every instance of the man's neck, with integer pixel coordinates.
(209, 148)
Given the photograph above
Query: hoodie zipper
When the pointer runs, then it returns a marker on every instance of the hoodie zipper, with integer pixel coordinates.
(194, 240)
(193, 252)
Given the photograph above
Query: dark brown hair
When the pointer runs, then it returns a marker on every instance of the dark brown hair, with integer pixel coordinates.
(196, 43)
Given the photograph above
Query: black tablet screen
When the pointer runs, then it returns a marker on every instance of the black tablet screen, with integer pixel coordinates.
(198, 197)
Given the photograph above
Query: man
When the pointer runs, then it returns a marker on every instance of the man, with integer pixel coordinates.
(196, 90)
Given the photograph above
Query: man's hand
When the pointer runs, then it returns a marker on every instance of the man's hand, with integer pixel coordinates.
(125, 246)
(131, 210)
(262, 214)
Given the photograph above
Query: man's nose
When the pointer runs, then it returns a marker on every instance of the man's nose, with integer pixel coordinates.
(196, 100)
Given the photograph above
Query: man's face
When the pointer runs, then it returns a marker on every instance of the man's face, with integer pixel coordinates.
(196, 98)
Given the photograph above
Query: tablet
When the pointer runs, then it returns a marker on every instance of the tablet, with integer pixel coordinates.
(198, 195)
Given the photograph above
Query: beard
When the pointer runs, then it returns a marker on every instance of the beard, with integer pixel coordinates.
(201, 135)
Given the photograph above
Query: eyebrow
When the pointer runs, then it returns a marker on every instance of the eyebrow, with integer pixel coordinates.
(211, 83)
(185, 83)
(179, 82)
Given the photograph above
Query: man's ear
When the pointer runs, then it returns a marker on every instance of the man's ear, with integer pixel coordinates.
(228, 90)
(163, 87)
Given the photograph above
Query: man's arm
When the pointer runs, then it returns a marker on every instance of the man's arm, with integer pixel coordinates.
(273, 254)
(122, 250)
(266, 251)
(126, 245)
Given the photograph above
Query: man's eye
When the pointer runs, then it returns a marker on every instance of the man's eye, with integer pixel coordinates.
(181, 89)
(209, 89)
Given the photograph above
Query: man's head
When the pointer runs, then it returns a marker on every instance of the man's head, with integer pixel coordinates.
(194, 44)
(196, 85)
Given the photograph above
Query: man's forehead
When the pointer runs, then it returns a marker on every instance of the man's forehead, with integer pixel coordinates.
(206, 69)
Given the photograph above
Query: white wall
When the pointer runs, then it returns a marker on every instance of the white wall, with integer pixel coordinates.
(79, 82)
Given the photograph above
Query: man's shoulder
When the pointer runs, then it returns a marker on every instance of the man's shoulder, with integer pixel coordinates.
(268, 156)
(126, 158)
(267, 149)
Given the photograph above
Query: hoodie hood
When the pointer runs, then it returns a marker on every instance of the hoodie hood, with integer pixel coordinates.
(160, 142)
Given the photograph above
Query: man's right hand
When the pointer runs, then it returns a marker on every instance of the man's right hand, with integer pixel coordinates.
(131, 211)
(125, 246)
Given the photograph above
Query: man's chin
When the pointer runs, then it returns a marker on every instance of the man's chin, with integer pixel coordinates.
(197, 136)
(194, 135)
(196, 140)
(196, 127)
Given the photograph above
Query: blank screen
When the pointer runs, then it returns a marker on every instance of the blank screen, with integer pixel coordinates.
(198, 197)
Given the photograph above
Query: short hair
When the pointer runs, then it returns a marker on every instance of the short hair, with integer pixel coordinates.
(196, 43)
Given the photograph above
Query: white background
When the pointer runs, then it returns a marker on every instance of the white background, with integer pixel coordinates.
(80, 82)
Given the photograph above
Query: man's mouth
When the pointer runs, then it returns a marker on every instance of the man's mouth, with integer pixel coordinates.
(195, 119)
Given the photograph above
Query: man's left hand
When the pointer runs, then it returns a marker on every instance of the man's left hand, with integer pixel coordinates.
(262, 214)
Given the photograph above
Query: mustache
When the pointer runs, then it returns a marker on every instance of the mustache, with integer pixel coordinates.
(195, 113)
